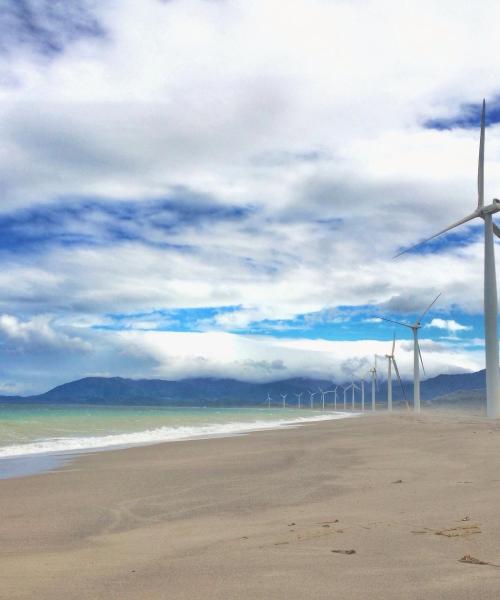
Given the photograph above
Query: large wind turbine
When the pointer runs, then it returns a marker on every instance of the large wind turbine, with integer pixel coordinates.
(268, 400)
(299, 397)
(490, 281)
(283, 397)
(417, 355)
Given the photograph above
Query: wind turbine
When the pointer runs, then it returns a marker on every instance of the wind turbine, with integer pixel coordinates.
(299, 396)
(323, 394)
(490, 281)
(311, 396)
(335, 398)
(354, 387)
(373, 372)
(391, 360)
(362, 394)
(268, 400)
(416, 353)
(329, 392)
(345, 392)
(283, 397)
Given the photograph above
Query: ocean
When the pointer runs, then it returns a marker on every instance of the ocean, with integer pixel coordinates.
(34, 438)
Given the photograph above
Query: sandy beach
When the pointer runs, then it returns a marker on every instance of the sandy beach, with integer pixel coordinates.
(272, 514)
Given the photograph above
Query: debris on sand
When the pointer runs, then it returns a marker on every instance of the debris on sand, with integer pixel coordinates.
(475, 561)
(351, 551)
(397, 481)
(451, 532)
(462, 531)
(327, 522)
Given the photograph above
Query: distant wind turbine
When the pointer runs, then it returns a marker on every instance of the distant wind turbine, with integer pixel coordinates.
(362, 394)
(311, 396)
(373, 372)
(329, 392)
(268, 400)
(391, 360)
(299, 396)
(353, 387)
(345, 392)
(416, 353)
(283, 397)
(490, 280)
(323, 394)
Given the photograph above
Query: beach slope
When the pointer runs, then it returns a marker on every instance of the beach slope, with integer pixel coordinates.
(377, 507)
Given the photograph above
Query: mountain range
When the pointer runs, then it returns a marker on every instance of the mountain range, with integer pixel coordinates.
(457, 388)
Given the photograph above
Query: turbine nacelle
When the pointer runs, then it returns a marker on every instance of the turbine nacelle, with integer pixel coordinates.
(490, 209)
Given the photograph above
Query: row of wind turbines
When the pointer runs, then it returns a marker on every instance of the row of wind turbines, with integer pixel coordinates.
(391, 362)
(486, 213)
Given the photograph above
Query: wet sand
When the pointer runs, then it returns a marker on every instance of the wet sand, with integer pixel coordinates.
(269, 515)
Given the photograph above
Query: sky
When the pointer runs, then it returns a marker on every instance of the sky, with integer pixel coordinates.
(219, 187)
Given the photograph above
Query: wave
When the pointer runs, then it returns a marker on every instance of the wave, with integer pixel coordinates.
(154, 436)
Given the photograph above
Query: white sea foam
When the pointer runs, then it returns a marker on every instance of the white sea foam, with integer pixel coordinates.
(154, 436)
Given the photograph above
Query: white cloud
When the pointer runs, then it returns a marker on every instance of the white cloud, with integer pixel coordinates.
(38, 332)
(449, 324)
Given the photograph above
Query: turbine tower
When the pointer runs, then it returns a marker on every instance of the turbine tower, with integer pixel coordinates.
(283, 397)
(416, 353)
(362, 394)
(268, 400)
(490, 281)
(335, 398)
(299, 397)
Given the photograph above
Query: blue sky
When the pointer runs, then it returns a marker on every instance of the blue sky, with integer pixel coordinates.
(177, 201)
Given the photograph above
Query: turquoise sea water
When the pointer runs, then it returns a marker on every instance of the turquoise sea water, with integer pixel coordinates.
(27, 430)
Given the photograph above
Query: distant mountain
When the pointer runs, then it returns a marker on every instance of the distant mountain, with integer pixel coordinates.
(230, 392)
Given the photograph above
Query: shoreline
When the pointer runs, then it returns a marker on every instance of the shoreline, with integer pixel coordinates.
(263, 516)
(30, 463)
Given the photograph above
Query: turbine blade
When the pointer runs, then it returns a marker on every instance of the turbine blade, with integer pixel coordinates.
(420, 354)
(428, 308)
(452, 226)
(393, 344)
(496, 230)
(480, 168)
(399, 378)
(392, 321)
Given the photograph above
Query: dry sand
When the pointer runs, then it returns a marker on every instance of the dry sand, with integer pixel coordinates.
(259, 516)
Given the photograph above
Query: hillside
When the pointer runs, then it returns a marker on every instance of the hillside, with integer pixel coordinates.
(230, 392)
